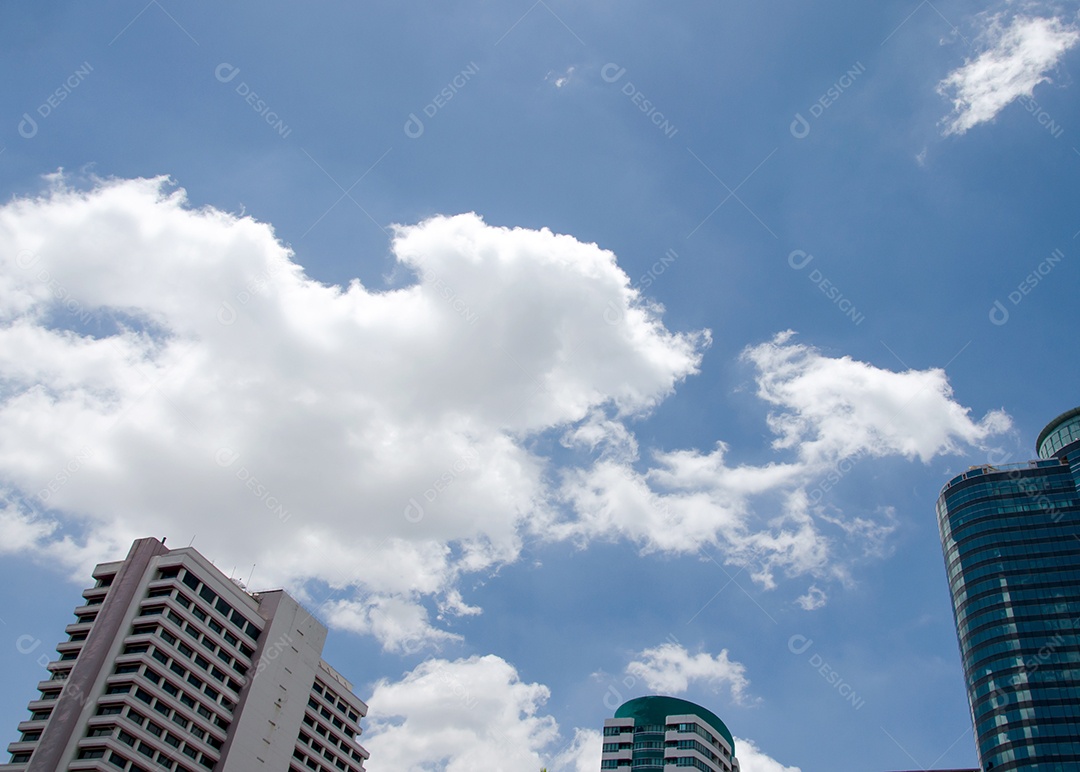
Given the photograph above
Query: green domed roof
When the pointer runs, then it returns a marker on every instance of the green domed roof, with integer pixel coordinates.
(656, 709)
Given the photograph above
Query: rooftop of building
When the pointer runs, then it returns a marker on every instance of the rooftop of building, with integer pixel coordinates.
(654, 709)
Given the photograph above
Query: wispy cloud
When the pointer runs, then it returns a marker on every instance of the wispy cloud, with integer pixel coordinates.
(1017, 57)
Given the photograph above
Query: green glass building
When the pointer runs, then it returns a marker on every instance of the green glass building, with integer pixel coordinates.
(658, 733)
(1011, 539)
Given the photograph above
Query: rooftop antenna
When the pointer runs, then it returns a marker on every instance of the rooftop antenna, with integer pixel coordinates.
(250, 575)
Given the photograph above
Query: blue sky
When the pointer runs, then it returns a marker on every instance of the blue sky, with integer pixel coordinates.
(579, 351)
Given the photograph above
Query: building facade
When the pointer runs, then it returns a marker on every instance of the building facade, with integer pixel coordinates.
(170, 665)
(660, 732)
(1011, 539)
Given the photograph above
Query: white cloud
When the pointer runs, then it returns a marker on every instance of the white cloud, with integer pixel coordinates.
(752, 759)
(582, 754)
(460, 716)
(1017, 57)
(670, 669)
(833, 408)
(814, 599)
(560, 79)
(168, 370)
(828, 412)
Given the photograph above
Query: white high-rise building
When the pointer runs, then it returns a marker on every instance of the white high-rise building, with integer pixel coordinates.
(170, 665)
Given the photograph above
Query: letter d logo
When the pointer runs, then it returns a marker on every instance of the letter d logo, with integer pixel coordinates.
(799, 127)
(611, 72)
(27, 127)
(797, 644)
(999, 314)
(414, 127)
(799, 259)
(226, 72)
(413, 512)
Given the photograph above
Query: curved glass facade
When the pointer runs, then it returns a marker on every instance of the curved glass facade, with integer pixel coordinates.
(1011, 540)
(1061, 432)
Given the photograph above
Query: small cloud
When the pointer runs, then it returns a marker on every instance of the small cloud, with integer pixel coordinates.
(814, 599)
(670, 668)
(1015, 61)
(558, 80)
(920, 158)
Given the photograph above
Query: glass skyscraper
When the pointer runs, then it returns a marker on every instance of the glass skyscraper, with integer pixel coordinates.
(1011, 539)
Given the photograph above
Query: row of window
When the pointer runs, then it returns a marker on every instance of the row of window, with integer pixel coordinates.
(163, 758)
(1018, 482)
(181, 695)
(318, 748)
(311, 763)
(700, 730)
(1040, 624)
(1010, 534)
(209, 668)
(120, 762)
(1050, 580)
(182, 722)
(1043, 729)
(340, 743)
(979, 512)
(221, 605)
(322, 711)
(1032, 631)
(1042, 595)
(202, 616)
(327, 694)
(614, 731)
(193, 632)
(1013, 565)
(160, 705)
